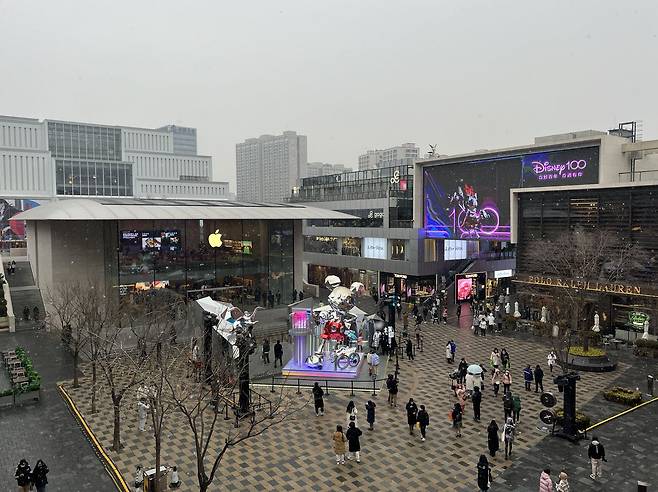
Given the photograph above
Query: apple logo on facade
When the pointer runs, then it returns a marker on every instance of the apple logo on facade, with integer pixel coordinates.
(215, 239)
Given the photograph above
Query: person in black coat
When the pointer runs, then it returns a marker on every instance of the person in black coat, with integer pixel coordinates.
(492, 438)
(539, 379)
(423, 421)
(354, 445)
(476, 398)
(412, 414)
(461, 371)
(278, 353)
(484, 473)
(23, 476)
(39, 476)
(370, 413)
(318, 393)
(410, 349)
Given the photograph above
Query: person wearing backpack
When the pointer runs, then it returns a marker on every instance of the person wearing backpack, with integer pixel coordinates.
(392, 386)
(516, 401)
(457, 418)
(318, 400)
(484, 474)
(423, 419)
(339, 441)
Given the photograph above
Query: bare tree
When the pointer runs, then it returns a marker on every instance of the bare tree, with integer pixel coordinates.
(65, 303)
(202, 406)
(570, 264)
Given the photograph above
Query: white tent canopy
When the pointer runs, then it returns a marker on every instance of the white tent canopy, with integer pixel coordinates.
(224, 326)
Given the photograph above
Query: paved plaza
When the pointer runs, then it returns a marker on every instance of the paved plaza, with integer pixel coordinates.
(297, 455)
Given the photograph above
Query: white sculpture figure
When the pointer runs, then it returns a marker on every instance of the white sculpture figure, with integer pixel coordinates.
(517, 314)
(645, 326)
(543, 314)
(596, 328)
(507, 308)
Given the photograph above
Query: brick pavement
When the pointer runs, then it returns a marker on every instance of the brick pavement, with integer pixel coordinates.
(297, 455)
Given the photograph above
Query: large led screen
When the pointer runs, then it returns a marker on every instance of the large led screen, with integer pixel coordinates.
(470, 200)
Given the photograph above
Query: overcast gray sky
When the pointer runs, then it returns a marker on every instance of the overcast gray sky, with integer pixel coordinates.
(352, 75)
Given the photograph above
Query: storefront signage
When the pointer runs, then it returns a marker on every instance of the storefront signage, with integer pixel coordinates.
(454, 249)
(215, 239)
(399, 275)
(374, 247)
(562, 171)
(589, 285)
(377, 213)
(503, 273)
(637, 318)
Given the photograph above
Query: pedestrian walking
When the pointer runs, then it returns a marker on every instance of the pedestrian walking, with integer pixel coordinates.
(435, 315)
(370, 414)
(409, 349)
(278, 297)
(484, 474)
(354, 445)
(493, 441)
(505, 359)
(462, 369)
(516, 400)
(545, 482)
(495, 381)
(508, 405)
(476, 399)
(139, 478)
(527, 377)
(423, 421)
(266, 351)
(425, 313)
(491, 321)
(453, 351)
(278, 353)
(596, 454)
(448, 353)
(412, 414)
(142, 412)
(539, 379)
(23, 476)
(351, 413)
(339, 441)
(39, 476)
(459, 312)
(445, 315)
(457, 419)
(318, 400)
(507, 382)
(563, 484)
(508, 436)
(392, 386)
(483, 326)
(551, 358)
(494, 359)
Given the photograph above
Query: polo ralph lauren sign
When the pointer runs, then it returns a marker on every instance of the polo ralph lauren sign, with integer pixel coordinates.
(588, 285)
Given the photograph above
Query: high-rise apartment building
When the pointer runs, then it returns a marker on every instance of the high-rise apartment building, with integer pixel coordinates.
(51, 158)
(269, 166)
(324, 169)
(402, 155)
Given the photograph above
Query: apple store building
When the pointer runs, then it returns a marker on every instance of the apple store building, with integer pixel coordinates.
(237, 252)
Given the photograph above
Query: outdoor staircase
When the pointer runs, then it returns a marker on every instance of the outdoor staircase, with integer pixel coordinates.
(24, 293)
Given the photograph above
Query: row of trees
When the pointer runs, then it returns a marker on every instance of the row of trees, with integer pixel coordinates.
(130, 345)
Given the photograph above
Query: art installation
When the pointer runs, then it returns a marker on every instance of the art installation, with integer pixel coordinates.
(517, 314)
(596, 328)
(544, 314)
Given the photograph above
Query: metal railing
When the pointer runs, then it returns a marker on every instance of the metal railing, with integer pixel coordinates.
(371, 386)
(630, 176)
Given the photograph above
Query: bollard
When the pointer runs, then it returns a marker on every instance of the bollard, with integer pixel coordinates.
(298, 392)
(642, 486)
(351, 388)
(650, 381)
(374, 387)
(326, 387)
(226, 411)
(272, 390)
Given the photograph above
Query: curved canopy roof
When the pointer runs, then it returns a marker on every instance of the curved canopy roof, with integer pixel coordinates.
(134, 208)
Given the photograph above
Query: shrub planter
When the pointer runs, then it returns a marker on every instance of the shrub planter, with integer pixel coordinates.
(646, 348)
(582, 420)
(594, 360)
(623, 395)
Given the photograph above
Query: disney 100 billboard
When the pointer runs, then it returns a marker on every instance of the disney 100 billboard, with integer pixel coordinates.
(470, 200)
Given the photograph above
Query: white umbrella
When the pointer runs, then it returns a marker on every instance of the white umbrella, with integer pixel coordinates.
(474, 369)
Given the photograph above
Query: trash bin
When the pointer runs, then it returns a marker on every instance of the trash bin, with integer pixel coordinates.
(149, 479)
(650, 381)
(642, 486)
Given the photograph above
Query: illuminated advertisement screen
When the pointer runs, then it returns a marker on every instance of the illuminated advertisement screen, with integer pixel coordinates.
(464, 289)
(470, 200)
(150, 240)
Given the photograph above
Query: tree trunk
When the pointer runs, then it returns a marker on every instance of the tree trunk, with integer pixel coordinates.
(93, 387)
(157, 461)
(76, 358)
(585, 341)
(116, 440)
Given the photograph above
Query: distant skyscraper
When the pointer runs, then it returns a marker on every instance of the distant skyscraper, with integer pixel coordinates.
(269, 166)
(324, 169)
(405, 154)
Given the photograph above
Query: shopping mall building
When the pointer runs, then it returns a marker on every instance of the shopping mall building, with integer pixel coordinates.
(418, 227)
(237, 251)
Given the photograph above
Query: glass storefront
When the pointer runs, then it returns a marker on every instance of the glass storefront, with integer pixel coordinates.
(408, 287)
(317, 274)
(232, 260)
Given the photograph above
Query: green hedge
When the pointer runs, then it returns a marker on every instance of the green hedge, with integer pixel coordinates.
(623, 395)
(34, 379)
(582, 420)
(651, 344)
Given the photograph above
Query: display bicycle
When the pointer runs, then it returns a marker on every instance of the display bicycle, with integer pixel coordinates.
(343, 357)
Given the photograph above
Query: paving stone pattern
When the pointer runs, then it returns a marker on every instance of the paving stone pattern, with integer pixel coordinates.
(298, 455)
